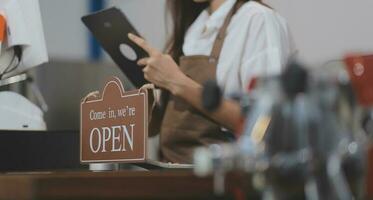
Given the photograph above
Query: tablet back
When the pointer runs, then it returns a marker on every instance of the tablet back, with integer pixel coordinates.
(111, 27)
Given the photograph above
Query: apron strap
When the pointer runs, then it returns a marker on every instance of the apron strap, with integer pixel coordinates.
(219, 41)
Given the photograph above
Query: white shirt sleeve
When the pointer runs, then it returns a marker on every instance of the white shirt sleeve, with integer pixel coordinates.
(266, 50)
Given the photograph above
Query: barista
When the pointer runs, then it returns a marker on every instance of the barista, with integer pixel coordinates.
(231, 41)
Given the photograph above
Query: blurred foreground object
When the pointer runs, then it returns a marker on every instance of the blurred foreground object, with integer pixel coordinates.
(22, 48)
(25, 31)
(360, 69)
(302, 137)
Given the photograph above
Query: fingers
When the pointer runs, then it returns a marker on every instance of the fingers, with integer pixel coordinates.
(143, 61)
(146, 69)
(143, 44)
(148, 86)
(147, 61)
(147, 77)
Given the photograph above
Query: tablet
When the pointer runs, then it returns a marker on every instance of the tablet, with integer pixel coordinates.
(111, 27)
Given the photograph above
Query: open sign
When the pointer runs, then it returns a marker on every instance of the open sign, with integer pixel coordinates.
(114, 125)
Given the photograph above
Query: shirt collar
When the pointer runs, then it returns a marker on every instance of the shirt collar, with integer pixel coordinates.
(207, 24)
(216, 19)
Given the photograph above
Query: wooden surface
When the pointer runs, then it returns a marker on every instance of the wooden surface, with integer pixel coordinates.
(112, 185)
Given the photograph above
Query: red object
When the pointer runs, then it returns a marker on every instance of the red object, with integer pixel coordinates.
(360, 70)
(239, 130)
(2, 28)
(252, 84)
(239, 194)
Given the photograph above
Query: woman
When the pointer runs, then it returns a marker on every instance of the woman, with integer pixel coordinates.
(231, 41)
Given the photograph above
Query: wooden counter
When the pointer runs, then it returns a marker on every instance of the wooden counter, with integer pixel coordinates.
(114, 185)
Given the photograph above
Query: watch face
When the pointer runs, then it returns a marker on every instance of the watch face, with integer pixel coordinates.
(111, 27)
(360, 69)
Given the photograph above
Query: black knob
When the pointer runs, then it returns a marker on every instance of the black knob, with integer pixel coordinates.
(211, 96)
(294, 79)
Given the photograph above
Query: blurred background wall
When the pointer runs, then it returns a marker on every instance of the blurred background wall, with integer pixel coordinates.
(67, 37)
(323, 30)
(328, 29)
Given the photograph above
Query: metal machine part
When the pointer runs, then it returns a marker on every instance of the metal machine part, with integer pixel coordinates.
(294, 128)
(21, 51)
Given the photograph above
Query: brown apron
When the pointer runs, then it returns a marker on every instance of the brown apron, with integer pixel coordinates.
(183, 127)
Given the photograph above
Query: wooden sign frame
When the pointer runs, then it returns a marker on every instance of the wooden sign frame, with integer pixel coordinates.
(114, 125)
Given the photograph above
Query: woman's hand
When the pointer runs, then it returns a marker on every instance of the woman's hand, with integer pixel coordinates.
(148, 86)
(160, 69)
(156, 92)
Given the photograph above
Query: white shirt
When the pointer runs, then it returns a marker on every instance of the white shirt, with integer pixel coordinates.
(258, 43)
